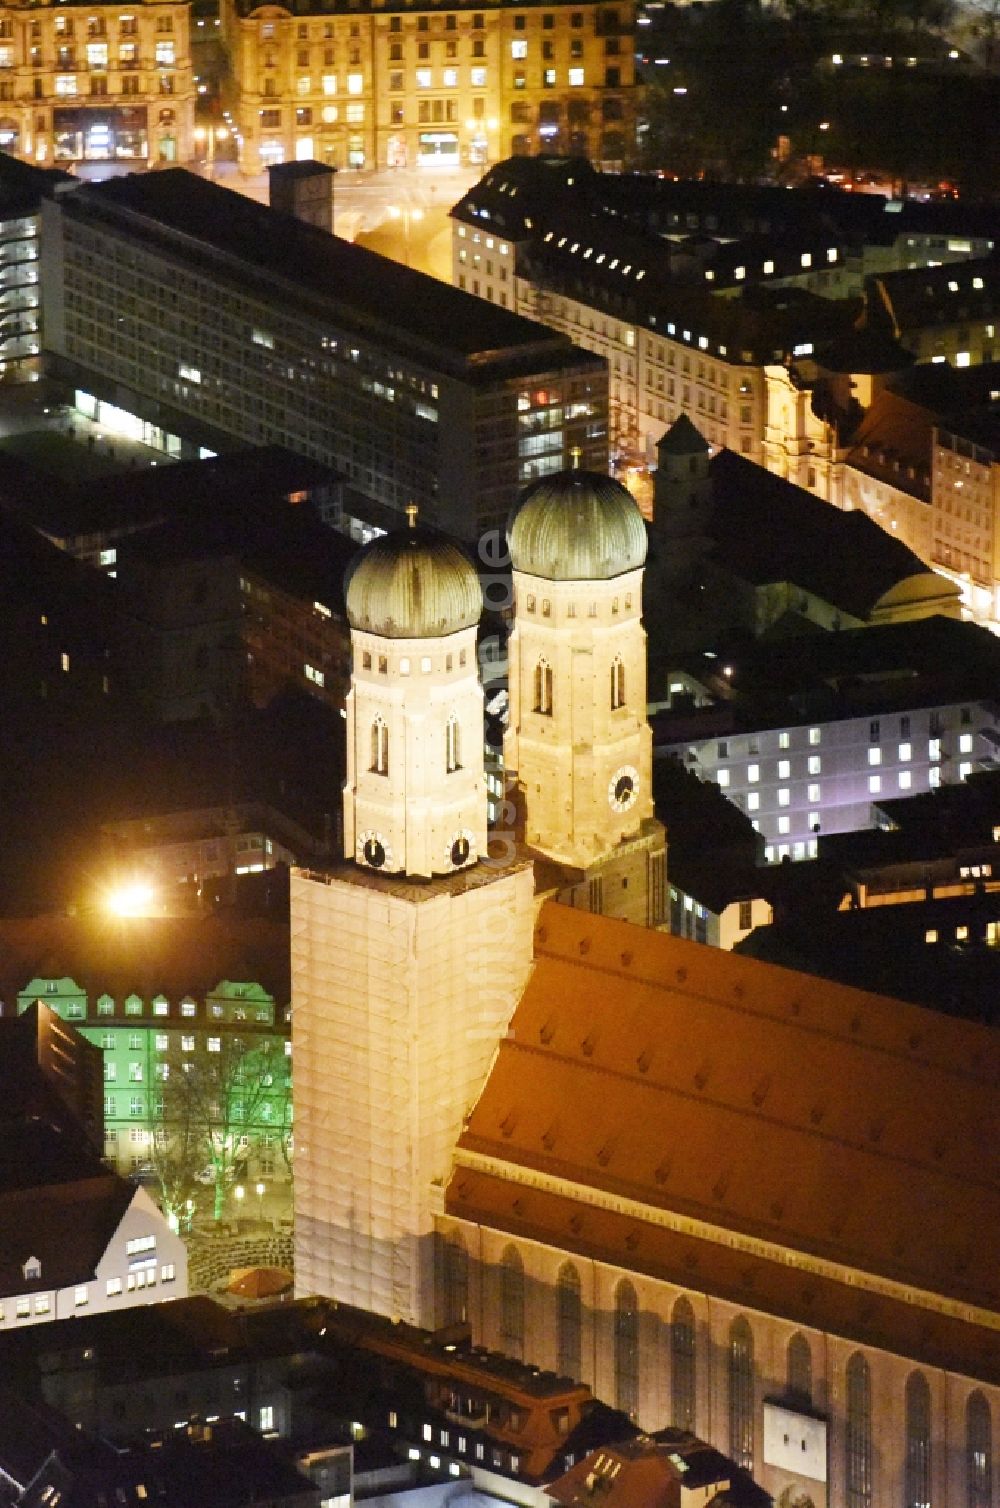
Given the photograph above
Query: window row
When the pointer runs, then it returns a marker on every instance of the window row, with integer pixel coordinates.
(379, 764)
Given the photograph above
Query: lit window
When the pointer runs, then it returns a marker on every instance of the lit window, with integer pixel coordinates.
(722, 778)
(187, 1044)
(874, 756)
(815, 764)
(576, 77)
(478, 78)
(81, 1296)
(404, 666)
(905, 780)
(423, 78)
(42, 1304)
(964, 770)
(329, 83)
(965, 743)
(355, 83)
(784, 796)
(450, 78)
(806, 259)
(874, 784)
(813, 793)
(934, 775)
(753, 801)
(753, 773)
(905, 752)
(784, 769)
(784, 825)
(114, 1285)
(266, 1417)
(783, 740)
(65, 83)
(934, 748)
(215, 1044)
(317, 677)
(815, 734)
(64, 661)
(167, 1273)
(518, 49)
(188, 1008)
(961, 934)
(813, 820)
(931, 935)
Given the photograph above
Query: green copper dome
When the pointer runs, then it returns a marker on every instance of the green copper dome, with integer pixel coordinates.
(412, 584)
(577, 526)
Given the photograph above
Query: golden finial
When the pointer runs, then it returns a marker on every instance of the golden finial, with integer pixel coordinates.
(575, 455)
(411, 513)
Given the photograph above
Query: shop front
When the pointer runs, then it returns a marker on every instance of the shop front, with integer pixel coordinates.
(106, 135)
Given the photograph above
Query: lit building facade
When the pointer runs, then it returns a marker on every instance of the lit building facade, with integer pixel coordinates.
(434, 86)
(797, 781)
(98, 83)
(210, 315)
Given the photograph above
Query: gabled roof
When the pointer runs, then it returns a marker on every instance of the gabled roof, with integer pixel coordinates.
(849, 1128)
(682, 439)
(173, 956)
(765, 529)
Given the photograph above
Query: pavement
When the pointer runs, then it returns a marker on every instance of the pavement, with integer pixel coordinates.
(400, 212)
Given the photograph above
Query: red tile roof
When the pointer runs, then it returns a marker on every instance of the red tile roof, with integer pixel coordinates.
(822, 1119)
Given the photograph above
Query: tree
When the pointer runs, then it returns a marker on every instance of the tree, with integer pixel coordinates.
(212, 1100)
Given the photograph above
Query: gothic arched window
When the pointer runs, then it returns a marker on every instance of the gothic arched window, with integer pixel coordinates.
(453, 746)
(456, 1281)
(626, 1348)
(682, 1365)
(858, 1435)
(978, 1452)
(512, 1303)
(617, 683)
(741, 1393)
(799, 1363)
(917, 1462)
(543, 687)
(568, 1321)
(380, 748)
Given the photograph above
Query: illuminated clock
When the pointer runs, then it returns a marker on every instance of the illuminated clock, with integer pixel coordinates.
(623, 788)
(373, 850)
(462, 848)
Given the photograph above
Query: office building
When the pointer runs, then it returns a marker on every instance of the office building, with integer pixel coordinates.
(214, 317)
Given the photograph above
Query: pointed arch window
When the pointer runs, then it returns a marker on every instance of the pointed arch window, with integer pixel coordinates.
(626, 1348)
(682, 1365)
(917, 1462)
(380, 747)
(617, 683)
(978, 1452)
(512, 1303)
(456, 1281)
(799, 1364)
(568, 1321)
(741, 1393)
(543, 687)
(453, 745)
(858, 1435)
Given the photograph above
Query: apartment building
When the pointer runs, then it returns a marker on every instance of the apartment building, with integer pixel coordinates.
(215, 317)
(97, 83)
(154, 994)
(887, 718)
(434, 85)
(678, 335)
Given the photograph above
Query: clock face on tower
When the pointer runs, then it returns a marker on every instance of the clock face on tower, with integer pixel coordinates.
(460, 849)
(373, 850)
(622, 788)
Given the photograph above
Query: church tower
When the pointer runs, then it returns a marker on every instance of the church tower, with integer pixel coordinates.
(409, 957)
(578, 737)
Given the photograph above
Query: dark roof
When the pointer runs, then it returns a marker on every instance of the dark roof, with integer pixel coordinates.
(57, 1203)
(250, 244)
(682, 439)
(765, 529)
(133, 499)
(173, 956)
(225, 1463)
(981, 427)
(865, 350)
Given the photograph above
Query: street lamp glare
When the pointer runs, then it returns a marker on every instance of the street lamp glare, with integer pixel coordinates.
(132, 899)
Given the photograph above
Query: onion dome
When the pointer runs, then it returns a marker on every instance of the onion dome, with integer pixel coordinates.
(412, 584)
(577, 526)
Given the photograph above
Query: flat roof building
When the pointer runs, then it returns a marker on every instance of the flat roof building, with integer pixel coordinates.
(210, 314)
